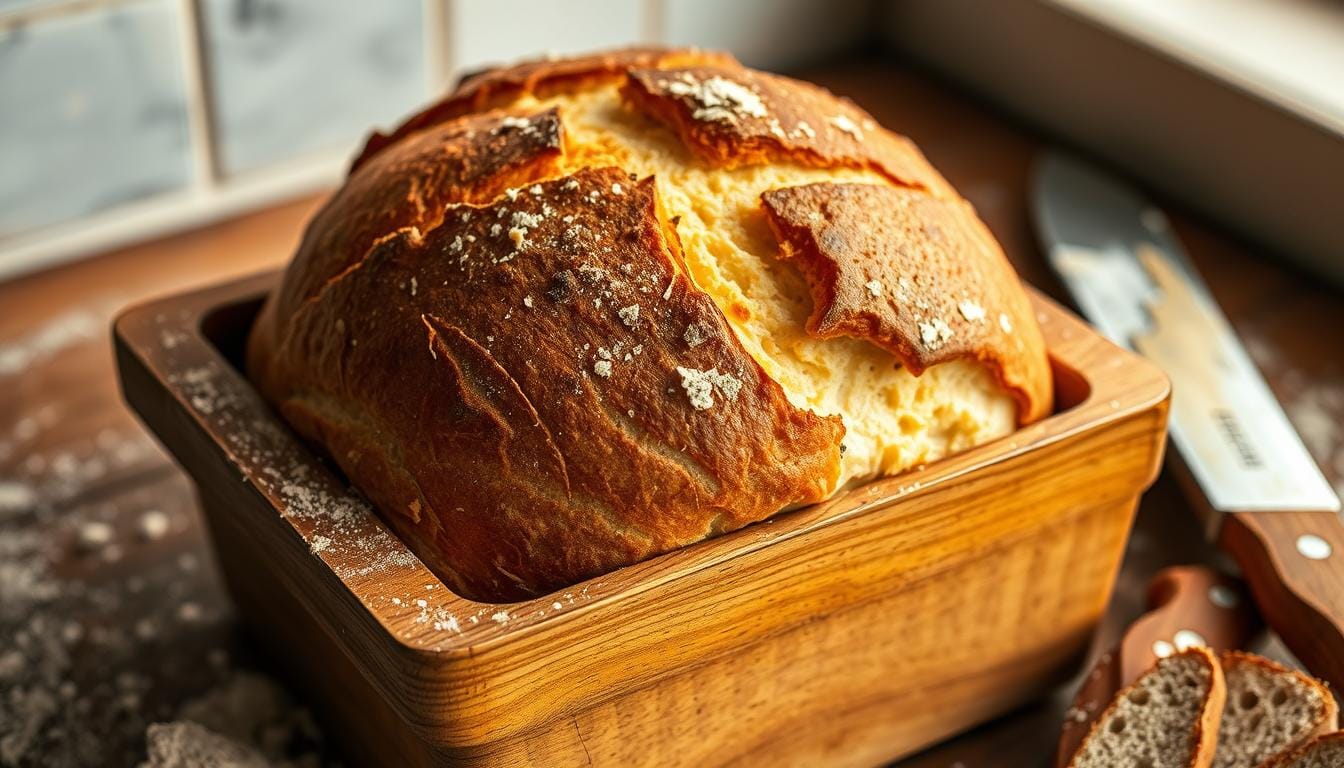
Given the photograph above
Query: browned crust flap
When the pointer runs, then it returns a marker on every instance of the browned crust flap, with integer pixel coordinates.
(541, 78)
(733, 117)
(507, 369)
(916, 275)
(473, 159)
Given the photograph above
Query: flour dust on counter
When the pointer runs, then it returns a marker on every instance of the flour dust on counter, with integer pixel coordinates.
(120, 646)
(1314, 402)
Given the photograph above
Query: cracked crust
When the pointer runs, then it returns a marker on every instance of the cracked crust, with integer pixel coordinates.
(916, 275)
(539, 78)
(492, 331)
(504, 374)
(469, 160)
(732, 117)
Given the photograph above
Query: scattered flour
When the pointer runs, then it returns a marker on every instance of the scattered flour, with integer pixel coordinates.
(247, 721)
(64, 331)
(188, 745)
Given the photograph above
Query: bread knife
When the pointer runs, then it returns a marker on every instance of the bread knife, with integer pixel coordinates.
(1187, 605)
(1263, 498)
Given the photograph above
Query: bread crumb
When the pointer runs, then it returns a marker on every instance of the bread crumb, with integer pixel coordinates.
(571, 185)
(848, 126)
(525, 220)
(718, 98)
(501, 617)
(973, 312)
(697, 333)
(189, 612)
(616, 189)
(535, 190)
(94, 535)
(701, 385)
(805, 129)
(934, 333)
(874, 288)
(667, 294)
(629, 315)
(602, 368)
(153, 524)
(527, 302)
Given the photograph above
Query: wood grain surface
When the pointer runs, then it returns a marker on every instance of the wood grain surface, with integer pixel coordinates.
(70, 452)
(847, 632)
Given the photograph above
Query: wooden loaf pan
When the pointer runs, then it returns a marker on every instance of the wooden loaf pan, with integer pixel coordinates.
(846, 633)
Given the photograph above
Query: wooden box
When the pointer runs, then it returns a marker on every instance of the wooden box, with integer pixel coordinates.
(847, 633)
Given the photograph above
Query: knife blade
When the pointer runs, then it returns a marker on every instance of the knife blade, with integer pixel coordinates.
(1265, 500)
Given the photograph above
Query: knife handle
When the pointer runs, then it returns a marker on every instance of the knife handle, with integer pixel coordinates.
(1186, 604)
(1294, 565)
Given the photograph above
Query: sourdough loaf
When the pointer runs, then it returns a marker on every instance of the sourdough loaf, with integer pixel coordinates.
(585, 311)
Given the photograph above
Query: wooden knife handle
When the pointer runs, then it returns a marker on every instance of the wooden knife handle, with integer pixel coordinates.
(1294, 565)
(1187, 605)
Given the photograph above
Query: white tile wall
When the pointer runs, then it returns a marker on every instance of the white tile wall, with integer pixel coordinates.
(92, 114)
(296, 77)
(770, 34)
(482, 32)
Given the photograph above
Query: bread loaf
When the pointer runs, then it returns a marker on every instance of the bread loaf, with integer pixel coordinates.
(582, 312)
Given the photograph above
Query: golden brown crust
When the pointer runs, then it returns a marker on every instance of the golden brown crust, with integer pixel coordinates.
(540, 78)
(732, 117)
(515, 367)
(916, 275)
(511, 365)
(472, 159)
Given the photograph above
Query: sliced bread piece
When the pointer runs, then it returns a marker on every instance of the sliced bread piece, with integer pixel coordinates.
(1168, 718)
(1322, 752)
(1270, 709)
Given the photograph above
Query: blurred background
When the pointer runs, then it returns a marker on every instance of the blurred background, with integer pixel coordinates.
(125, 119)
(149, 146)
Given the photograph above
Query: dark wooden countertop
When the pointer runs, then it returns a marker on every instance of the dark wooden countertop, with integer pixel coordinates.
(111, 614)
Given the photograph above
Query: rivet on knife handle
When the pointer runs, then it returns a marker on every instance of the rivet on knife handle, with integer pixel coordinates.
(1293, 563)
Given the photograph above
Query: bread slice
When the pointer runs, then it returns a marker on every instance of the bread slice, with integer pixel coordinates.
(1168, 718)
(1270, 709)
(1322, 752)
